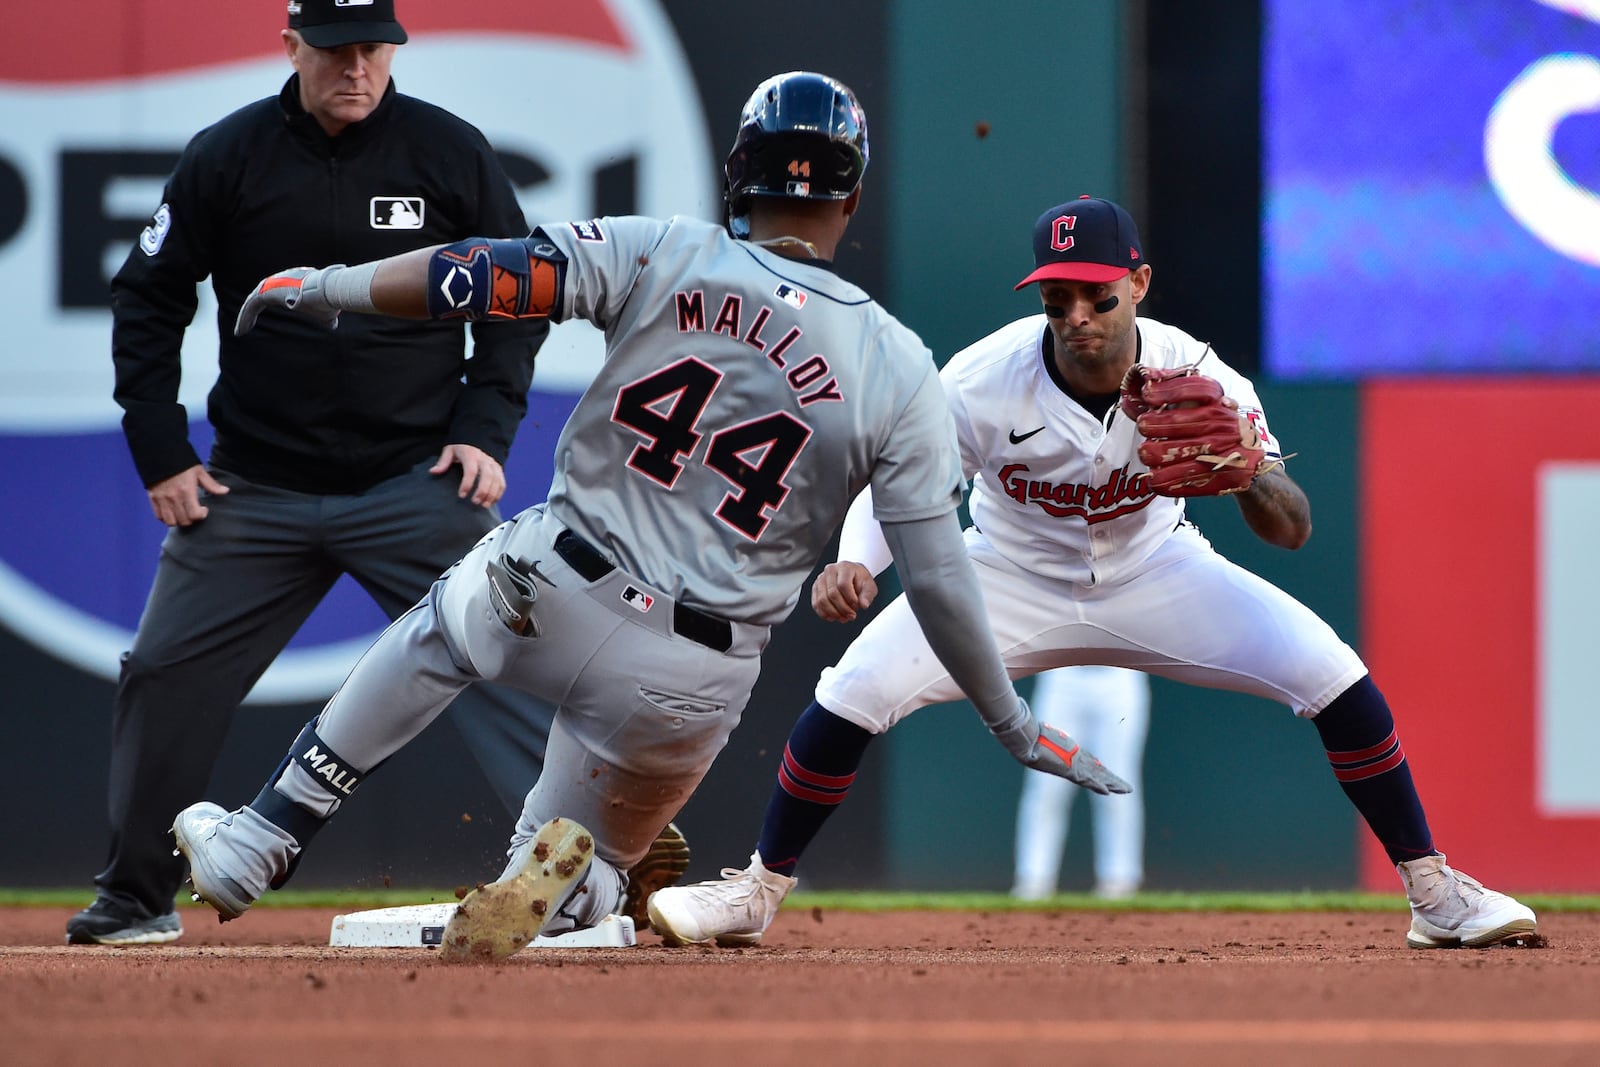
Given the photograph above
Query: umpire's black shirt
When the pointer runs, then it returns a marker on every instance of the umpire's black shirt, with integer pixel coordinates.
(295, 405)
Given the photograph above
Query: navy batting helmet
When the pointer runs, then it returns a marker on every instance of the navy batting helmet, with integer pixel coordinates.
(801, 135)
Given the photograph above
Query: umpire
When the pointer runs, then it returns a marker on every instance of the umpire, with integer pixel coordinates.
(373, 450)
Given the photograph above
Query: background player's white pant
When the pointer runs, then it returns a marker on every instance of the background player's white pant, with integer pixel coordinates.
(1107, 710)
(1186, 613)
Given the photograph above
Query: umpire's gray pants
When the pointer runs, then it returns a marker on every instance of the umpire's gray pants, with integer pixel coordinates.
(228, 595)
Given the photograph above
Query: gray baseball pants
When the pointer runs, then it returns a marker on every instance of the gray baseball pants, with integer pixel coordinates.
(228, 595)
(643, 708)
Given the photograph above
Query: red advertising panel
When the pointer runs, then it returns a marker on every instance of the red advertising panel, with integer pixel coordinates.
(1475, 496)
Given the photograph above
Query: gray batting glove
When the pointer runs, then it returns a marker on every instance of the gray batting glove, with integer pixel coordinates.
(298, 289)
(1044, 748)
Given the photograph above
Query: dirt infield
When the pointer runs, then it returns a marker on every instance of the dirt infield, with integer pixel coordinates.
(831, 988)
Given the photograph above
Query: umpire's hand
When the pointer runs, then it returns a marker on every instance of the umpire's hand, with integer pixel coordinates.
(481, 475)
(176, 500)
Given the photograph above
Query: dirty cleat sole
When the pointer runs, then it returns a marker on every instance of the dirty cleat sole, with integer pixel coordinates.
(495, 921)
(1517, 931)
(664, 863)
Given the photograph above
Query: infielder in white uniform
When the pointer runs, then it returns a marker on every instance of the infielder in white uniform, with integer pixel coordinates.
(1081, 561)
(748, 393)
(1108, 710)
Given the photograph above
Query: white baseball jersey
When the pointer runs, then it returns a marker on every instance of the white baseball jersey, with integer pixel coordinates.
(1056, 490)
(1079, 561)
(744, 400)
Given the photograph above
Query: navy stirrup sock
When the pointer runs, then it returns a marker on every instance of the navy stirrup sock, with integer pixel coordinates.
(327, 769)
(1364, 750)
(819, 766)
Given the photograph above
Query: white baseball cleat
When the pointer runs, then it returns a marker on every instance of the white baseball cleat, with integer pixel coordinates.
(233, 857)
(1452, 910)
(1033, 891)
(734, 911)
(495, 921)
(1116, 889)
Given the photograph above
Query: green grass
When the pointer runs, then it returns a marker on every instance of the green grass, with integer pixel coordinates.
(1305, 900)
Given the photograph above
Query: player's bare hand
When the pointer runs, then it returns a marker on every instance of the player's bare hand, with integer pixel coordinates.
(482, 478)
(298, 289)
(176, 500)
(841, 590)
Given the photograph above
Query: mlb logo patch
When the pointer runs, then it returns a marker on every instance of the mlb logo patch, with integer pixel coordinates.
(588, 231)
(352, 3)
(396, 212)
(791, 296)
(637, 599)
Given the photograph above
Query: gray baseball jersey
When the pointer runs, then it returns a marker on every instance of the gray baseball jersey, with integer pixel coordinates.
(744, 400)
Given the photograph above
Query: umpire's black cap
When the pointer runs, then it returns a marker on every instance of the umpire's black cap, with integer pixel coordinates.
(336, 23)
(1084, 240)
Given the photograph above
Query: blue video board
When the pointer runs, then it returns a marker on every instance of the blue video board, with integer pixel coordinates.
(1431, 187)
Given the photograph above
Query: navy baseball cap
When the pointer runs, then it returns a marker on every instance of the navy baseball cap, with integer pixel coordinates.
(336, 23)
(1084, 240)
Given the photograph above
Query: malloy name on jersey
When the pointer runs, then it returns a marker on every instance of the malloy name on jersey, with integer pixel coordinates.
(690, 307)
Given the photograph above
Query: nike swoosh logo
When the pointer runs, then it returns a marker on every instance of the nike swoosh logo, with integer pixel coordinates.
(1018, 438)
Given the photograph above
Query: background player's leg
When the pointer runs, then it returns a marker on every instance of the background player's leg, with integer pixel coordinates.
(1121, 710)
(1044, 809)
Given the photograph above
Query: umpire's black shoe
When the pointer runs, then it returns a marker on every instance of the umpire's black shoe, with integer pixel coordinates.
(106, 922)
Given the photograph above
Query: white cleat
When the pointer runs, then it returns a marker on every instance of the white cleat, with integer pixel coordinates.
(1452, 910)
(1033, 891)
(233, 856)
(734, 911)
(1116, 889)
(495, 921)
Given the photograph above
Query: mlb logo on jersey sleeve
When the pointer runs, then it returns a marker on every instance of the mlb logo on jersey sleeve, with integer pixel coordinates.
(396, 212)
(588, 231)
(791, 296)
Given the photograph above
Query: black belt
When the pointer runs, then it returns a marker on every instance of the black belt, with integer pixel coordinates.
(708, 630)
